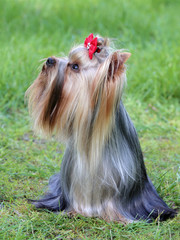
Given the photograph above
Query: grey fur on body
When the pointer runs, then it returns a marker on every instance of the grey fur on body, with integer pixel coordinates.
(120, 181)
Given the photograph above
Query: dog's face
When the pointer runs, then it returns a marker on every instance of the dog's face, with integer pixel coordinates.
(72, 94)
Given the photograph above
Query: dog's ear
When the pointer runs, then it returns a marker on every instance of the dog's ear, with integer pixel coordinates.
(116, 65)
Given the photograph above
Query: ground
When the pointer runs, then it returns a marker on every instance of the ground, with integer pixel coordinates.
(35, 30)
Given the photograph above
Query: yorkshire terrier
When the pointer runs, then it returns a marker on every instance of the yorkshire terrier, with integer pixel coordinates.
(78, 98)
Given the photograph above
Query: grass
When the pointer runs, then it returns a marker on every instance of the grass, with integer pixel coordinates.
(33, 30)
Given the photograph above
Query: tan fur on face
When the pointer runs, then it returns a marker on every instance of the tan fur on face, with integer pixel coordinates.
(42, 96)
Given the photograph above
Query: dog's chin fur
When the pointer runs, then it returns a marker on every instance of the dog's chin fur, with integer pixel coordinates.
(103, 172)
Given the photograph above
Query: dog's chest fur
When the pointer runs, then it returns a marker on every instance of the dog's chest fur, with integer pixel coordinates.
(95, 189)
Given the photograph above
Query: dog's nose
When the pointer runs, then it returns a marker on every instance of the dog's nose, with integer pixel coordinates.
(50, 61)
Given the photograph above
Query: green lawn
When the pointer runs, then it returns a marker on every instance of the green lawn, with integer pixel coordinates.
(32, 30)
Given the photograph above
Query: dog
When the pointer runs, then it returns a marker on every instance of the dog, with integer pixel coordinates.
(79, 99)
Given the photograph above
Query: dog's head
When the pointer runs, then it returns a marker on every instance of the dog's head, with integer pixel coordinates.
(77, 93)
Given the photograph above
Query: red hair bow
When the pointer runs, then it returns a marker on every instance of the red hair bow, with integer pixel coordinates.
(91, 45)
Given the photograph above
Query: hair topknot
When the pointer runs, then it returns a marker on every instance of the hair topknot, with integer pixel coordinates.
(104, 47)
(102, 42)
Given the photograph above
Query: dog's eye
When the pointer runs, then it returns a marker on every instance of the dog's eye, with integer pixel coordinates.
(75, 67)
